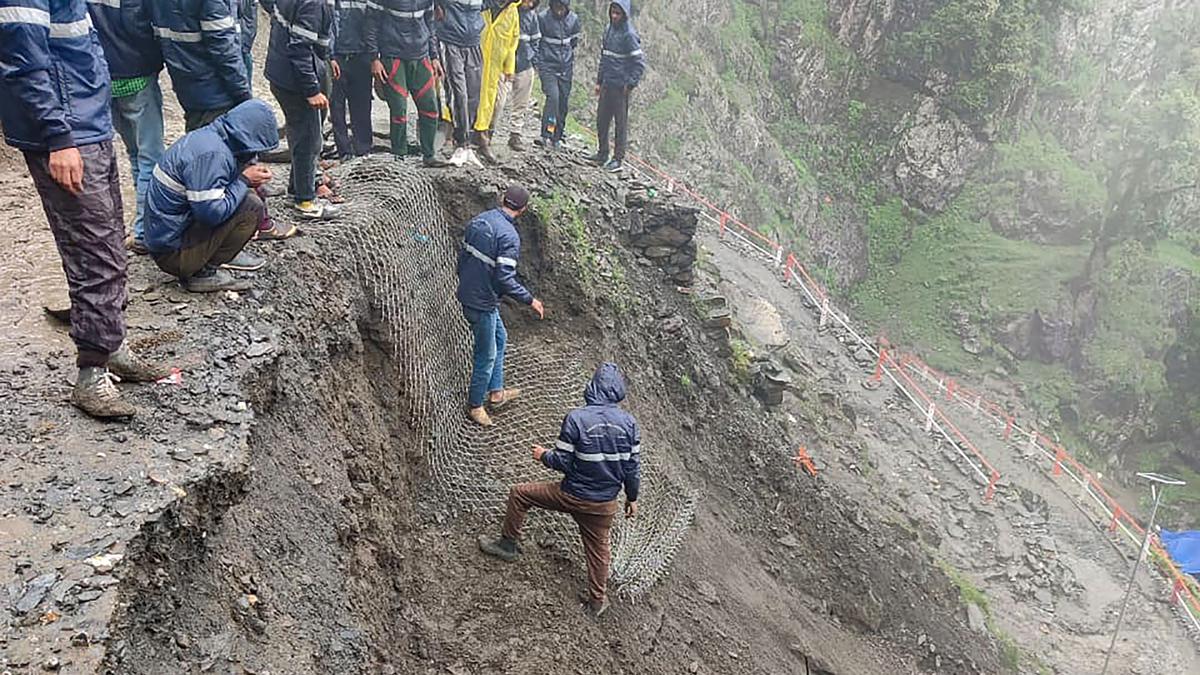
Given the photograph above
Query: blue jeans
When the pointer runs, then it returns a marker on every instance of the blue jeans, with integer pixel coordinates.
(139, 120)
(487, 374)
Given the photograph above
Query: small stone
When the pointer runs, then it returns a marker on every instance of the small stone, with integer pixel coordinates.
(88, 596)
(35, 591)
(694, 667)
(789, 541)
(123, 488)
(182, 454)
(104, 563)
(51, 664)
(976, 619)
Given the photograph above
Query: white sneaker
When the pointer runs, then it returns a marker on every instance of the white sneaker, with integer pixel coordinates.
(459, 156)
(317, 209)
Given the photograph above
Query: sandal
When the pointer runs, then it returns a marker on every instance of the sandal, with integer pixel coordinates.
(327, 193)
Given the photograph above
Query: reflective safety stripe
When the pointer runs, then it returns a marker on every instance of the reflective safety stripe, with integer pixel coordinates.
(564, 446)
(478, 254)
(636, 449)
(510, 262)
(526, 37)
(73, 29)
(36, 17)
(354, 4)
(636, 52)
(205, 195)
(115, 4)
(176, 36)
(219, 24)
(168, 182)
(397, 13)
(559, 41)
(602, 457)
(300, 31)
(469, 4)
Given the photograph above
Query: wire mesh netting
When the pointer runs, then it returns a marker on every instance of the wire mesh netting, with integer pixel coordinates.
(405, 253)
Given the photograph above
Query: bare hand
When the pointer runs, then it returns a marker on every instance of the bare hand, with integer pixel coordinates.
(66, 168)
(256, 174)
(597, 92)
(631, 510)
(318, 101)
(539, 308)
(438, 71)
(537, 452)
(337, 70)
(378, 71)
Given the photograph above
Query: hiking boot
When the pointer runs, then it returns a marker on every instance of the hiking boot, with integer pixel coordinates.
(613, 166)
(213, 280)
(599, 159)
(485, 150)
(542, 142)
(277, 231)
(245, 261)
(96, 395)
(502, 548)
(272, 190)
(128, 366)
(317, 209)
(594, 610)
(507, 396)
(136, 246)
(479, 416)
(515, 143)
(434, 163)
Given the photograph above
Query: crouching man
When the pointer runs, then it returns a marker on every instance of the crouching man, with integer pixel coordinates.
(598, 450)
(201, 206)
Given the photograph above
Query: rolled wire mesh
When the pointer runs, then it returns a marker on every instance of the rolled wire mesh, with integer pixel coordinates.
(405, 254)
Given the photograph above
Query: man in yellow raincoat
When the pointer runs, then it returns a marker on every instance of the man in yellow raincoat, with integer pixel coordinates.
(501, 35)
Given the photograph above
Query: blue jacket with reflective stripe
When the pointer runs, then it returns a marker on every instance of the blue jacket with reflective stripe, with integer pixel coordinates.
(125, 34)
(462, 22)
(621, 60)
(599, 446)
(301, 35)
(54, 82)
(203, 51)
(248, 17)
(487, 263)
(556, 54)
(531, 39)
(351, 28)
(401, 29)
(199, 179)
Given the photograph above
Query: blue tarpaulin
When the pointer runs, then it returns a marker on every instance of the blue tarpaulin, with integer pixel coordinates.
(1184, 549)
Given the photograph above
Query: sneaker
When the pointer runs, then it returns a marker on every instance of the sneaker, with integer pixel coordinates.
(502, 548)
(136, 246)
(599, 159)
(434, 163)
(245, 261)
(277, 231)
(542, 141)
(507, 396)
(515, 143)
(480, 416)
(557, 145)
(613, 166)
(128, 366)
(272, 190)
(485, 150)
(212, 280)
(96, 395)
(316, 209)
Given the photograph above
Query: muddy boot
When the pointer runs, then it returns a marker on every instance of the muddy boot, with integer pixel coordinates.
(132, 368)
(594, 610)
(479, 416)
(485, 149)
(515, 143)
(599, 159)
(96, 395)
(502, 548)
(499, 399)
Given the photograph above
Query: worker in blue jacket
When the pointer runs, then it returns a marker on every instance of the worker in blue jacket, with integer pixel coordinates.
(301, 37)
(202, 208)
(352, 81)
(402, 36)
(622, 64)
(65, 134)
(134, 60)
(487, 272)
(556, 68)
(459, 27)
(598, 451)
(203, 51)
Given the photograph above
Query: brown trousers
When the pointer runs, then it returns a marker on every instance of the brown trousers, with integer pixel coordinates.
(594, 520)
(202, 246)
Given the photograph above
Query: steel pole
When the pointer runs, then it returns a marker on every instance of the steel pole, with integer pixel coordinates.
(1133, 576)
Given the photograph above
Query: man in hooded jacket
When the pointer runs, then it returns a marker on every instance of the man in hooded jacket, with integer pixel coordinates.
(599, 451)
(556, 68)
(202, 209)
(400, 34)
(622, 64)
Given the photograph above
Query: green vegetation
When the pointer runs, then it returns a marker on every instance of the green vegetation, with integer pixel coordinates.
(740, 359)
(1011, 654)
(601, 275)
(1040, 152)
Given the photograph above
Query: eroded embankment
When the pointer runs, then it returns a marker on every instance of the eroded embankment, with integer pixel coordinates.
(334, 548)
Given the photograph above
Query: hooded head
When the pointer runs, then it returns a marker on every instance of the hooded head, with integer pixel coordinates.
(619, 11)
(560, 7)
(248, 129)
(607, 386)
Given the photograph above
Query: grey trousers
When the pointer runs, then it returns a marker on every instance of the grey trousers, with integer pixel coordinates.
(89, 229)
(464, 71)
(613, 108)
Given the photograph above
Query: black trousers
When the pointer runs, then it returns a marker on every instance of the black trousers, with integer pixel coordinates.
(89, 229)
(613, 107)
(557, 88)
(352, 90)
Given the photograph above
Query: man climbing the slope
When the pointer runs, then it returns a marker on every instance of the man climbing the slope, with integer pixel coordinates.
(556, 68)
(202, 209)
(599, 451)
(621, 67)
(501, 35)
(400, 35)
(65, 134)
(487, 272)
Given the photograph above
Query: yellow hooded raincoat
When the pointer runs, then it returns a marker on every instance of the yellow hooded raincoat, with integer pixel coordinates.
(501, 34)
